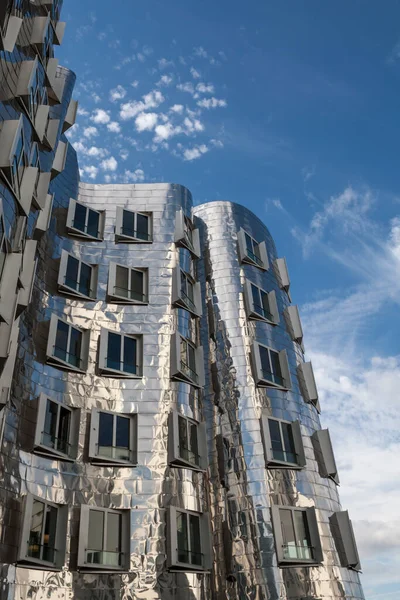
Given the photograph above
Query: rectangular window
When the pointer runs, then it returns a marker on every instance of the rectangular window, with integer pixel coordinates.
(67, 345)
(127, 285)
(133, 226)
(43, 533)
(37, 92)
(120, 354)
(19, 163)
(251, 251)
(271, 367)
(187, 443)
(35, 162)
(187, 361)
(113, 438)
(186, 292)
(260, 304)
(283, 443)
(77, 277)
(84, 221)
(189, 540)
(104, 539)
(186, 235)
(296, 535)
(57, 429)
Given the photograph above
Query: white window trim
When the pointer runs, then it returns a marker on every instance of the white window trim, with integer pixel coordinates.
(54, 360)
(178, 299)
(83, 540)
(324, 455)
(40, 447)
(94, 455)
(61, 535)
(121, 237)
(313, 531)
(205, 542)
(182, 239)
(177, 372)
(270, 460)
(174, 453)
(243, 253)
(103, 349)
(111, 285)
(250, 307)
(62, 273)
(345, 541)
(77, 232)
(284, 363)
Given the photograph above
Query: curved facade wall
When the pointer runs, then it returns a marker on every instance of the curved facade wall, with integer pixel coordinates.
(233, 406)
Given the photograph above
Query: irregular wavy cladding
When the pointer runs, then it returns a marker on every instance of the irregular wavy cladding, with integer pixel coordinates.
(232, 406)
(148, 488)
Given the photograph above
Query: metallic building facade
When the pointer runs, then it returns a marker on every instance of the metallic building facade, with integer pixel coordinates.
(160, 436)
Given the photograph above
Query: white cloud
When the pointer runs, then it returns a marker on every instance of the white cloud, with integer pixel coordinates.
(205, 88)
(141, 57)
(109, 164)
(151, 100)
(177, 108)
(195, 152)
(211, 103)
(146, 121)
(82, 112)
(193, 126)
(165, 132)
(134, 176)
(117, 93)
(135, 83)
(96, 152)
(186, 87)
(124, 154)
(96, 98)
(217, 143)
(89, 171)
(165, 80)
(195, 74)
(114, 127)
(199, 51)
(100, 116)
(89, 132)
(163, 63)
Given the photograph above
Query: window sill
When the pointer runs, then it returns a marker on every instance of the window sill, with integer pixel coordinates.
(185, 244)
(57, 362)
(102, 569)
(52, 454)
(118, 374)
(42, 565)
(271, 384)
(185, 464)
(281, 464)
(182, 377)
(122, 300)
(248, 261)
(99, 461)
(126, 239)
(188, 568)
(182, 304)
(71, 292)
(81, 234)
(256, 317)
(292, 562)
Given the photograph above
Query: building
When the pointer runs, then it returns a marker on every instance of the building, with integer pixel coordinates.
(160, 436)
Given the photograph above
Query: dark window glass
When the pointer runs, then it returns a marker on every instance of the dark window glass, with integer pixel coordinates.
(122, 282)
(302, 535)
(193, 443)
(75, 348)
(36, 529)
(49, 537)
(265, 363)
(85, 279)
(113, 540)
(61, 347)
(128, 223)
(63, 430)
(137, 286)
(266, 311)
(182, 538)
(114, 351)
(195, 546)
(276, 367)
(142, 227)
(249, 243)
(96, 534)
(93, 223)
(71, 275)
(106, 426)
(80, 217)
(42, 534)
(188, 442)
(122, 438)
(50, 425)
(129, 365)
(287, 434)
(276, 440)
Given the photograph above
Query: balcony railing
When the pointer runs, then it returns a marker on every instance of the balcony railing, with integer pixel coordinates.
(254, 258)
(188, 454)
(115, 453)
(122, 366)
(284, 456)
(67, 357)
(93, 231)
(41, 551)
(188, 301)
(135, 233)
(104, 558)
(190, 557)
(297, 552)
(260, 310)
(78, 286)
(189, 372)
(129, 294)
(55, 443)
(273, 378)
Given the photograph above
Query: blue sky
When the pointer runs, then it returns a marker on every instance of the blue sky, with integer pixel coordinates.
(292, 109)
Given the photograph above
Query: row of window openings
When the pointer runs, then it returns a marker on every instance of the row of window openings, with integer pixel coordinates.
(113, 437)
(14, 8)
(130, 226)
(104, 537)
(120, 354)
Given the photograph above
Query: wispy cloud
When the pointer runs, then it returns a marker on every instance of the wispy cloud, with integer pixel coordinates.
(151, 100)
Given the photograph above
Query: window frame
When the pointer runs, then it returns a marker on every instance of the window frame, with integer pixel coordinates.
(182, 299)
(111, 285)
(174, 443)
(345, 541)
(313, 534)
(101, 460)
(293, 323)
(273, 317)
(308, 386)
(261, 380)
(173, 562)
(103, 350)
(261, 262)
(62, 275)
(73, 434)
(83, 540)
(177, 371)
(60, 535)
(59, 362)
(123, 237)
(182, 238)
(270, 460)
(324, 455)
(78, 232)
